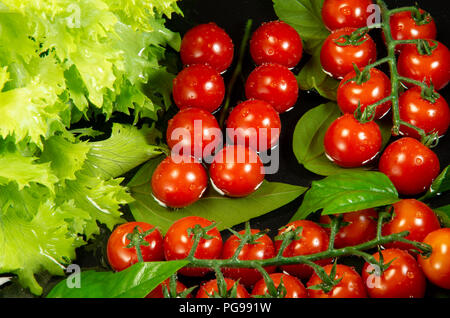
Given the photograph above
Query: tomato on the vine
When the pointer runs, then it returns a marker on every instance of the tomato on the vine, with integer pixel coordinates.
(292, 287)
(158, 292)
(337, 14)
(210, 289)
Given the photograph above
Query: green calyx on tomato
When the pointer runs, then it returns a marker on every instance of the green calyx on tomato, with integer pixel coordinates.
(355, 38)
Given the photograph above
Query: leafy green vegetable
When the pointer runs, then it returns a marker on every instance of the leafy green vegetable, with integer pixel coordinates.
(440, 184)
(443, 214)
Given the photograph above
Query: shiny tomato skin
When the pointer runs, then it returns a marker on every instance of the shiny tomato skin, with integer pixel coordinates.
(159, 293)
(294, 287)
(121, 257)
(210, 288)
(338, 60)
(313, 239)
(337, 14)
(276, 42)
(207, 44)
(273, 83)
(262, 248)
(431, 117)
(437, 267)
(198, 85)
(402, 279)
(254, 123)
(349, 143)
(410, 165)
(350, 286)
(178, 243)
(360, 226)
(351, 94)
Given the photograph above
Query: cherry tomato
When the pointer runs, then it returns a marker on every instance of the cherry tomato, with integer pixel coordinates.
(261, 248)
(276, 42)
(207, 44)
(337, 59)
(210, 289)
(434, 67)
(413, 216)
(293, 287)
(422, 113)
(179, 239)
(338, 14)
(194, 132)
(273, 83)
(255, 124)
(121, 257)
(200, 86)
(437, 266)
(159, 293)
(313, 239)
(360, 226)
(410, 165)
(179, 181)
(350, 286)
(236, 171)
(349, 143)
(402, 279)
(351, 93)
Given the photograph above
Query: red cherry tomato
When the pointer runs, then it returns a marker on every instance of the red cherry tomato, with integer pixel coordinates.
(349, 143)
(207, 44)
(179, 240)
(337, 59)
(437, 266)
(179, 181)
(121, 257)
(402, 279)
(293, 287)
(159, 293)
(422, 113)
(210, 289)
(260, 248)
(255, 124)
(351, 93)
(194, 132)
(350, 286)
(434, 67)
(275, 84)
(360, 226)
(338, 14)
(200, 86)
(410, 165)
(236, 171)
(313, 239)
(276, 42)
(413, 216)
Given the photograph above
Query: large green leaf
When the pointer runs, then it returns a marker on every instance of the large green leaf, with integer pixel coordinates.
(443, 214)
(440, 184)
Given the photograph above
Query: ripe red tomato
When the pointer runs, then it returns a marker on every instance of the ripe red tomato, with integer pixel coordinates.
(179, 181)
(292, 285)
(350, 93)
(210, 288)
(276, 42)
(349, 143)
(313, 239)
(350, 286)
(360, 226)
(422, 113)
(337, 59)
(273, 83)
(338, 14)
(121, 257)
(178, 243)
(410, 165)
(255, 124)
(413, 216)
(207, 44)
(437, 267)
(402, 279)
(193, 132)
(236, 171)
(200, 86)
(433, 68)
(261, 248)
(159, 293)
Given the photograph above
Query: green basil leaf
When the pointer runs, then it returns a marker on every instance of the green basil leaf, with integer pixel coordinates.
(225, 211)
(440, 184)
(443, 214)
(348, 192)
